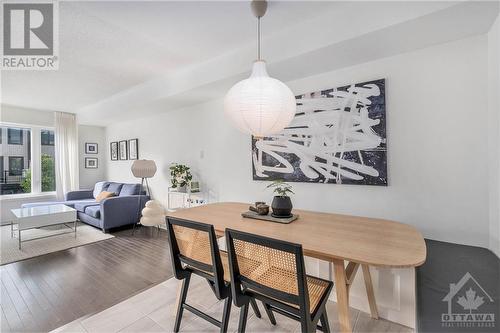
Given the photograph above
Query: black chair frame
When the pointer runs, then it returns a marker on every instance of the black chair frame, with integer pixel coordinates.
(244, 289)
(221, 289)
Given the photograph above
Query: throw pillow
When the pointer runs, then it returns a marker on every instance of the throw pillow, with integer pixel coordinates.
(103, 195)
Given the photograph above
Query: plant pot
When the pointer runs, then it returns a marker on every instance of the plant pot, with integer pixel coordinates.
(282, 206)
(182, 189)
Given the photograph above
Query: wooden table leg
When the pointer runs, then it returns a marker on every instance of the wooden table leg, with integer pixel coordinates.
(342, 297)
(369, 291)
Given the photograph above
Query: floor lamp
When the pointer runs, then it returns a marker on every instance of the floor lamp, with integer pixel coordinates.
(143, 169)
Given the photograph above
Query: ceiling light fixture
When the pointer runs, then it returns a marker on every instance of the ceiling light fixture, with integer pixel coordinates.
(260, 105)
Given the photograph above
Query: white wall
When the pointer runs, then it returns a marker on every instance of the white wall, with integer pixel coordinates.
(92, 134)
(494, 133)
(437, 154)
(437, 134)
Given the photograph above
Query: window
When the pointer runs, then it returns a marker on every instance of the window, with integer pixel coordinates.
(27, 159)
(47, 161)
(2, 168)
(47, 138)
(15, 136)
(16, 165)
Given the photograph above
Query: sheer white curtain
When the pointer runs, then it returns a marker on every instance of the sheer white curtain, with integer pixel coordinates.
(66, 146)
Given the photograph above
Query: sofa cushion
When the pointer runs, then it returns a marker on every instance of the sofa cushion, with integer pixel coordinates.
(104, 195)
(114, 187)
(81, 206)
(130, 189)
(94, 211)
(99, 187)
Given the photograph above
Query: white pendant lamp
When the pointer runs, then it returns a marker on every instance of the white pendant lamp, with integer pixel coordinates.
(260, 105)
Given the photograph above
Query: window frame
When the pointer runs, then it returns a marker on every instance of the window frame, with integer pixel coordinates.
(36, 160)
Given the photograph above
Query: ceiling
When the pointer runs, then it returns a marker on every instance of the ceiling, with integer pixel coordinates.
(106, 47)
(117, 57)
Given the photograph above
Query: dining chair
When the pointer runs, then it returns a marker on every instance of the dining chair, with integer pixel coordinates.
(194, 250)
(273, 272)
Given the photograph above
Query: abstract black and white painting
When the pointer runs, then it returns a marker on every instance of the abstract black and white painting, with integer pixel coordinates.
(337, 136)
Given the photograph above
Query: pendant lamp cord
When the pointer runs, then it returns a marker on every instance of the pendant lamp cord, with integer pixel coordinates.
(258, 38)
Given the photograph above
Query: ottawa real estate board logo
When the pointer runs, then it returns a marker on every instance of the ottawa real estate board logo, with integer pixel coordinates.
(469, 305)
(30, 35)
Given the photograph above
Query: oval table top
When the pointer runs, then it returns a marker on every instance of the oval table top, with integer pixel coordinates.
(326, 236)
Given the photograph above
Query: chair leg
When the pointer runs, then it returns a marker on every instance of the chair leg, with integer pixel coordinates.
(243, 319)
(225, 314)
(270, 313)
(255, 308)
(182, 300)
(324, 322)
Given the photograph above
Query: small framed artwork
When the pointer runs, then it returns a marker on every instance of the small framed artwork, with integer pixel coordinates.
(113, 150)
(90, 148)
(90, 162)
(133, 149)
(122, 149)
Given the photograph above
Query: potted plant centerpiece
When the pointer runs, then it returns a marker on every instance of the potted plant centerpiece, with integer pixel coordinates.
(281, 205)
(180, 176)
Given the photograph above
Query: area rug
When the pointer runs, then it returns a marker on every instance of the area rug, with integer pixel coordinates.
(11, 253)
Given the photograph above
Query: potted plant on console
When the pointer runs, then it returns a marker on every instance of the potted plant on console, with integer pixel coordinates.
(180, 176)
(281, 205)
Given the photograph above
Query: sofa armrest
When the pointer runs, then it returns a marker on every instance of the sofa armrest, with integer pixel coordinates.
(79, 195)
(119, 211)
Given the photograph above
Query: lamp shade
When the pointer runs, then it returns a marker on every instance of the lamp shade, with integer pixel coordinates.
(143, 168)
(260, 105)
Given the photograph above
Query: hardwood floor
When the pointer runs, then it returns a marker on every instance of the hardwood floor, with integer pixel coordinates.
(105, 287)
(46, 292)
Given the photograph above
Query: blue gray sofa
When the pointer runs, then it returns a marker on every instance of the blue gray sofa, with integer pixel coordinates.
(120, 210)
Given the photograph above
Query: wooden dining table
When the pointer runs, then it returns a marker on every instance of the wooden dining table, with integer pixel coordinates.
(347, 242)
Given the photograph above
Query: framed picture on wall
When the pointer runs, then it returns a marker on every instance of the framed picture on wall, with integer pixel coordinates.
(122, 149)
(90, 148)
(133, 149)
(90, 162)
(113, 150)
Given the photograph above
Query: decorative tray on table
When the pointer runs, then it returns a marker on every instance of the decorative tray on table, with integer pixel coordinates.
(269, 217)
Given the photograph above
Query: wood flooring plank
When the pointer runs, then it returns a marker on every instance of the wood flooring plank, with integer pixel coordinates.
(54, 289)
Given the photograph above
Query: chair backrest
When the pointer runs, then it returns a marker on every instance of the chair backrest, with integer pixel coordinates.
(194, 249)
(267, 266)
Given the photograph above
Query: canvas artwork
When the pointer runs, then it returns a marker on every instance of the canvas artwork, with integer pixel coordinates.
(337, 136)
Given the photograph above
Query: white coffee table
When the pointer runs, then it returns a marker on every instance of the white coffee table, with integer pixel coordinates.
(43, 216)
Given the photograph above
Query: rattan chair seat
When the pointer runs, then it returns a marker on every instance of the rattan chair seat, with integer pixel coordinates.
(282, 281)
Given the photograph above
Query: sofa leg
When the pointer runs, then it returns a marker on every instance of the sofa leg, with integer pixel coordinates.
(106, 231)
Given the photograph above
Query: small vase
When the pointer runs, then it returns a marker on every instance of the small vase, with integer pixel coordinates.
(282, 206)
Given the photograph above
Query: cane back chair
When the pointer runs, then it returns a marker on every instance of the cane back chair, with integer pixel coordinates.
(273, 272)
(194, 250)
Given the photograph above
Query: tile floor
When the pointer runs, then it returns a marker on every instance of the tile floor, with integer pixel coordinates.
(153, 310)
